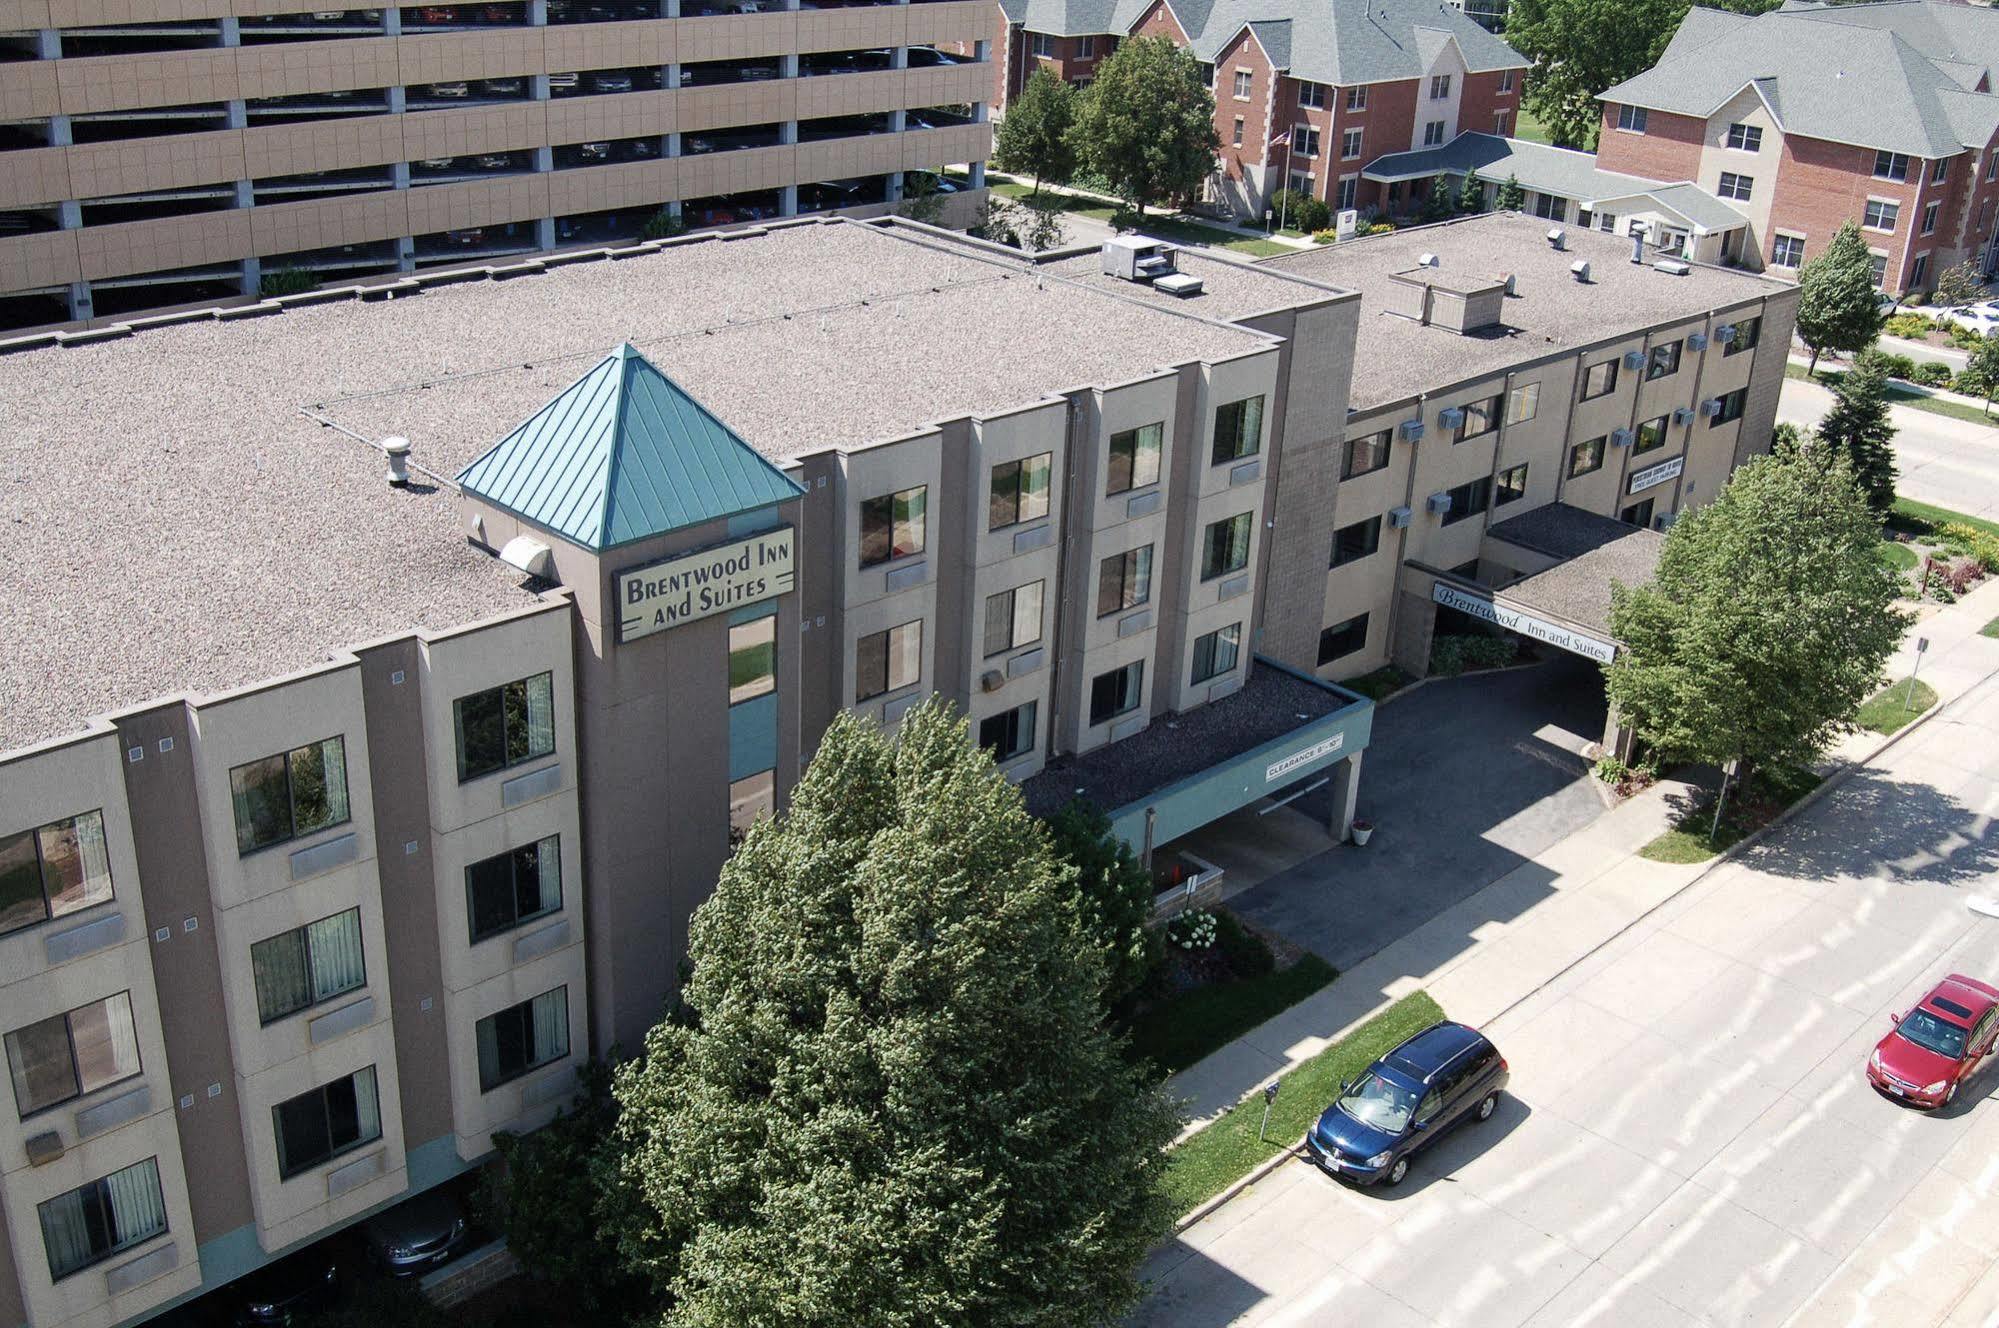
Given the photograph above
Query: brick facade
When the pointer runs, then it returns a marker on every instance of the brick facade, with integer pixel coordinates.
(1484, 101)
(1669, 149)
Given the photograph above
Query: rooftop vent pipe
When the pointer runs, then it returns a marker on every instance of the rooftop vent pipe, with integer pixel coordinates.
(1558, 238)
(1637, 241)
(397, 450)
(1580, 270)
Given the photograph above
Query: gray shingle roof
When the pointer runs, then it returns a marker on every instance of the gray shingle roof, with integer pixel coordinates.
(1708, 214)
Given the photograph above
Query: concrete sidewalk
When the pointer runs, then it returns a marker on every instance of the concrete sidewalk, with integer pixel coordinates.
(1589, 887)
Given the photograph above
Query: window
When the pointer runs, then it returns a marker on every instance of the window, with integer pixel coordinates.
(497, 728)
(1731, 408)
(1304, 141)
(1890, 166)
(1217, 652)
(1502, 123)
(1551, 207)
(1879, 264)
(1522, 402)
(1134, 460)
(335, 1118)
(1086, 48)
(93, 1222)
(1631, 119)
(1880, 214)
(1365, 455)
(1433, 133)
(1505, 81)
(752, 658)
(1939, 170)
(503, 891)
(297, 792)
(1440, 86)
(1225, 547)
(1238, 430)
(1919, 270)
(522, 1037)
(1663, 361)
(751, 799)
(1350, 144)
(1124, 581)
(1586, 457)
(1020, 491)
(1651, 436)
(1242, 85)
(1013, 618)
(1638, 514)
(1343, 639)
(1787, 251)
(888, 661)
(1747, 333)
(1041, 44)
(1357, 541)
(65, 1056)
(1735, 186)
(53, 870)
(1468, 500)
(1357, 101)
(1312, 96)
(1117, 692)
(1301, 182)
(1010, 733)
(1349, 190)
(1235, 138)
(1930, 218)
(892, 525)
(1607, 222)
(1599, 380)
(1512, 485)
(1745, 138)
(1481, 418)
(307, 965)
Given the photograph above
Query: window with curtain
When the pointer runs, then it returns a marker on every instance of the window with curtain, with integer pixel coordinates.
(53, 869)
(1009, 733)
(290, 795)
(332, 1119)
(1013, 618)
(1124, 581)
(893, 525)
(1134, 459)
(1239, 427)
(307, 965)
(503, 891)
(1019, 491)
(92, 1222)
(505, 726)
(1216, 652)
(888, 661)
(1117, 692)
(522, 1037)
(65, 1056)
(1225, 547)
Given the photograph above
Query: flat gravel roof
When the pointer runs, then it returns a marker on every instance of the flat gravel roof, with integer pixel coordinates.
(1395, 358)
(1231, 288)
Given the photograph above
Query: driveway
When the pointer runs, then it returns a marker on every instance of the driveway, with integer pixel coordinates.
(1465, 779)
(1945, 461)
(1689, 1139)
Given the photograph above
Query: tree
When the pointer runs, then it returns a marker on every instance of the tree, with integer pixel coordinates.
(922, 200)
(997, 220)
(1581, 47)
(1044, 225)
(897, 1103)
(1440, 205)
(1147, 122)
(1858, 429)
(1113, 894)
(1471, 197)
(1838, 308)
(1959, 285)
(1035, 137)
(1766, 624)
(1981, 372)
(1510, 197)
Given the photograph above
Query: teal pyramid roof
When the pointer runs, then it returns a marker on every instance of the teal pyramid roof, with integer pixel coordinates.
(622, 454)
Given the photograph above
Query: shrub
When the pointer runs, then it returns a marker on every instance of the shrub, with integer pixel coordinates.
(1192, 930)
(1452, 655)
(1913, 326)
(1379, 228)
(1962, 575)
(1612, 771)
(1324, 236)
(663, 225)
(1244, 951)
(285, 281)
(1299, 211)
(1124, 219)
(1896, 366)
(1957, 537)
(1965, 338)
(1916, 298)
(1931, 374)
(1985, 552)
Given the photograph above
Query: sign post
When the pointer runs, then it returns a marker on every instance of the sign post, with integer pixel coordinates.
(1269, 1096)
(1909, 694)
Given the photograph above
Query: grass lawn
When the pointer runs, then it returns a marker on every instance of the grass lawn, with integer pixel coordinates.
(1218, 1156)
(1921, 519)
(1259, 248)
(1175, 1033)
(1897, 555)
(1750, 808)
(1990, 629)
(1157, 224)
(1895, 705)
(1529, 127)
(1898, 395)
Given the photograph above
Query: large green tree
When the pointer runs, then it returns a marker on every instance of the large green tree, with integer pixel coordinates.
(1962, 284)
(1581, 47)
(1981, 372)
(896, 1102)
(1767, 622)
(1035, 138)
(1838, 307)
(1147, 123)
(1858, 429)
(1113, 891)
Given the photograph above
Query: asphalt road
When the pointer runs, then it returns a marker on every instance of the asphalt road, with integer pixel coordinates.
(1949, 462)
(1689, 1138)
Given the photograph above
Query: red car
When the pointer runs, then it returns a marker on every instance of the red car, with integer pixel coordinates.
(1938, 1044)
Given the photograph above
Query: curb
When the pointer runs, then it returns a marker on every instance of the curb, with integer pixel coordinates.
(1261, 1170)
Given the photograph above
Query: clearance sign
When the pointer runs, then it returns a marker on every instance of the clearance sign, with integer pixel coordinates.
(691, 586)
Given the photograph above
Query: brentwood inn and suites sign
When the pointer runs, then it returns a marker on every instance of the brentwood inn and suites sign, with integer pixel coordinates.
(689, 586)
(1515, 620)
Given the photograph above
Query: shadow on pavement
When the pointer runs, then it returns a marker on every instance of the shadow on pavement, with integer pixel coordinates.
(1925, 835)
(1439, 1163)
(1187, 1289)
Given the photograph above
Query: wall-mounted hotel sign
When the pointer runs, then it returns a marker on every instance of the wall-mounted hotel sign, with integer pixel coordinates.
(690, 586)
(1653, 476)
(1519, 620)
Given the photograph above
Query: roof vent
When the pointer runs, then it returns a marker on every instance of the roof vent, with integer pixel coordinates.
(1512, 284)
(1558, 238)
(1638, 229)
(1672, 267)
(525, 554)
(397, 450)
(1428, 260)
(1580, 270)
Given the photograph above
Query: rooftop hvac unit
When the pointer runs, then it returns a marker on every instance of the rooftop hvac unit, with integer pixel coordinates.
(1672, 267)
(1438, 503)
(1580, 270)
(1450, 417)
(1697, 341)
(525, 554)
(991, 680)
(1426, 260)
(1620, 437)
(1683, 414)
(1725, 333)
(1398, 518)
(1411, 430)
(1712, 406)
(1558, 237)
(1634, 359)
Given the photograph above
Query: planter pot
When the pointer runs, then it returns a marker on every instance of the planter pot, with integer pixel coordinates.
(1362, 832)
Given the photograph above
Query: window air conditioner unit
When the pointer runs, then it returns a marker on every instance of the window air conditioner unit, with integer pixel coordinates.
(1712, 406)
(1439, 503)
(1620, 437)
(1683, 414)
(1398, 518)
(1450, 417)
(991, 680)
(1725, 333)
(1665, 520)
(1697, 341)
(1411, 430)
(1634, 359)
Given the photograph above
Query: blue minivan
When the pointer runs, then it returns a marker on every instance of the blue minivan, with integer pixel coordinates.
(1403, 1102)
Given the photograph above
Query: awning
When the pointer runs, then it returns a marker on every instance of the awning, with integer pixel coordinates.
(1566, 605)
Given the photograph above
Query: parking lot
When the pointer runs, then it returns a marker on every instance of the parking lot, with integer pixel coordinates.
(1689, 1138)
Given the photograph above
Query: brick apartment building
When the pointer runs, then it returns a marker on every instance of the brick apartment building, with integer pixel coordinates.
(1881, 114)
(164, 152)
(1303, 94)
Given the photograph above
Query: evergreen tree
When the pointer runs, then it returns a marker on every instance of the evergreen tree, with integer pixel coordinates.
(1858, 429)
(1440, 205)
(1035, 137)
(1838, 307)
(1510, 197)
(1147, 122)
(896, 1103)
(1471, 197)
(1114, 894)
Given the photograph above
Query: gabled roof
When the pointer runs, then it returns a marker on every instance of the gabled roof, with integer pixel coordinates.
(623, 454)
(1705, 213)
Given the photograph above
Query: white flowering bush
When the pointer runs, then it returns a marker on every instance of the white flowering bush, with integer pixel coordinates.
(1193, 930)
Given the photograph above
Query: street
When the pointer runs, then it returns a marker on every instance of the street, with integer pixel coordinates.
(1949, 462)
(1688, 1138)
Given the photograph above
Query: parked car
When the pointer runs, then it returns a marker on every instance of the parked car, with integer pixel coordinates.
(930, 117)
(447, 90)
(594, 151)
(616, 82)
(562, 85)
(468, 237)
(918, 181)
(415, 1237)
(1405, 1102)
(1938, 1044)
(493, 161)
(438, 163)
(1980, 318)
(503, 87)
(294, 1285)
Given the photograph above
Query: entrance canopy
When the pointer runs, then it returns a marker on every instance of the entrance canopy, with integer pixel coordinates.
(1566, 602)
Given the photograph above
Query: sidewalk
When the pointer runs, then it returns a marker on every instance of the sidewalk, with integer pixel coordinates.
(1803, 360)
(1590, 887)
